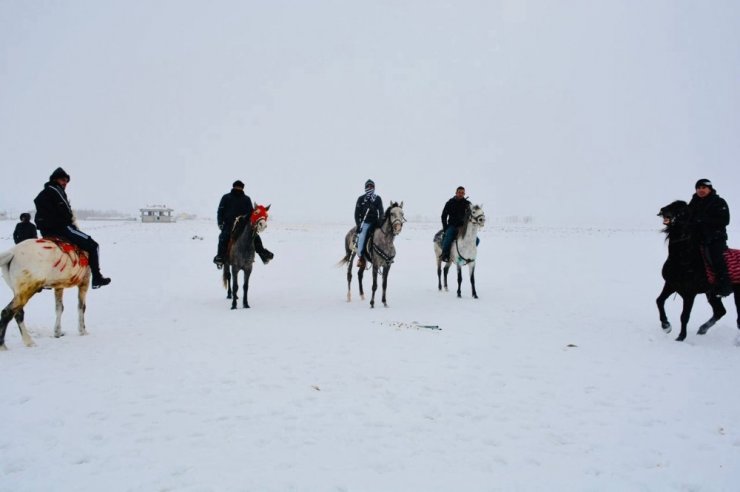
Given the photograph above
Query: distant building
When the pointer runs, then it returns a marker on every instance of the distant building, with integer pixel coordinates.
(157, 213)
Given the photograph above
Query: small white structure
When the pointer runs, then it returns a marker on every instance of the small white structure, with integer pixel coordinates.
(157, 213)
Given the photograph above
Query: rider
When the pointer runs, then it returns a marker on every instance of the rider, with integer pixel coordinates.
(368, 215)
(54, 217)
(25, 229)
(710, 216)
(232, 205)
(453, 217)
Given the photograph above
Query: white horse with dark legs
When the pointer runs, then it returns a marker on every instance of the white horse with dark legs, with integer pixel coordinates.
(37, 264)
(380, 251)
(464, 248)
(240, 256)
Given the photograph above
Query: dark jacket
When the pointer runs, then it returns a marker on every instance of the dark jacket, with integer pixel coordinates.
(710, 216)
(53, 211)
(453, 213)
(23, 231)
(369, 210)
(231, 206)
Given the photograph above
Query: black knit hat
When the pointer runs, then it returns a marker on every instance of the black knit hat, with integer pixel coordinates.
(58, 174)
(369, 184)
(703, 182)
(237, 184)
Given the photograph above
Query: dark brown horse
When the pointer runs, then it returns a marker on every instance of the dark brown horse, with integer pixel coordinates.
(685, 271)
(241, 252)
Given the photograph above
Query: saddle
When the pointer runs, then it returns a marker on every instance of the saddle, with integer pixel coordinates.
(72, 251)
(732, 259)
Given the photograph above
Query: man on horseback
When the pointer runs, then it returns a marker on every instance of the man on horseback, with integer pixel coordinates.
(54, 217)
(453, 217)
(710, 217)
(368, 216)
(232, 205)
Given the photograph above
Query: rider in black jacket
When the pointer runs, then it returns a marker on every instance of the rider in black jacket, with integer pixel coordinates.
(232, 205)
(368, 215)
(453, 217)
(24, 229)
(54, 217)
(711, 216)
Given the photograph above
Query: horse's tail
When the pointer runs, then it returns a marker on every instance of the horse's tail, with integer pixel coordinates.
(225, 276)
(5, 259)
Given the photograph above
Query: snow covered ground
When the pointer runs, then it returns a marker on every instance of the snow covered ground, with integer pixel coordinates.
(558, 378)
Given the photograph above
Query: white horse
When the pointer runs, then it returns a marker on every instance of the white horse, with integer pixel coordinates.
(464, 248)
(380, 251)
(36, 264)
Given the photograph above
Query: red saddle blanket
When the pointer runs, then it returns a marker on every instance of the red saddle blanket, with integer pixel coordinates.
(732, 258)
(66, 247)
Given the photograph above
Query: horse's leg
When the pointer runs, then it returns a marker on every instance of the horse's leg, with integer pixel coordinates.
(11, 311)
(386, 269)
(58, 293)
(446, 271)
(375, 285)
(247, 273)
(718, 310)
(471, 268)
(439, 274)
(227, 280)
(736, 293)
(349, 277)
(27, 340)
(660, 301)
(82, 307)
(459, 279)
(360, 274)
(234, 286)
(688, 304)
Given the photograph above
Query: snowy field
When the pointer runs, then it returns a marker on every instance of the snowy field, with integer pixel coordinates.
(558, 378)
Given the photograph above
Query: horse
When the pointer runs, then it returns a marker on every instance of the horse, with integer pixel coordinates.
(463, 250)
(380, 251)
(36, 264)
(685, 270)
(240, 254)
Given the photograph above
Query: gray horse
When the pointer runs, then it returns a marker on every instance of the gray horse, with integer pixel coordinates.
(241, 252)
(464, 250)
(380, 251)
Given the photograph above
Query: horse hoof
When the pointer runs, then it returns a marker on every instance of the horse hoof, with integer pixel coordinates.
(59, 335)
(703, 329)
(475, 296)
(3, 348)
(681, 338)
(233, 307)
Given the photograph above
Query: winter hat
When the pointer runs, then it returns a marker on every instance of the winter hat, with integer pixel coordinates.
(25, 215)
(58, 174)
(703, 182)
(237, 184)
(369, 184)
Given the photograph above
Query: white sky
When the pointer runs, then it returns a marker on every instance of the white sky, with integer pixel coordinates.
(562, 110)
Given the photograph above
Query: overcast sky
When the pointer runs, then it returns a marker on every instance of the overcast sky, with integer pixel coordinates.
(560, 110)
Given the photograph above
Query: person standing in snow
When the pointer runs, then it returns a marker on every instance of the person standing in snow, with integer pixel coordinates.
(25, 229)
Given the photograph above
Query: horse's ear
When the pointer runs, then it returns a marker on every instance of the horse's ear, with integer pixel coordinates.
(268, 207)
(401, 204)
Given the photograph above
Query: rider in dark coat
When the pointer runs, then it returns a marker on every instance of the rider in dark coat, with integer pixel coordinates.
(24, 229)
(54, 217)
(368, 215)
(453, 217)
(710, 216)
(232, 205)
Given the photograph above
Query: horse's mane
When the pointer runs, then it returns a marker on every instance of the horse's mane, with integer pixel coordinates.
(679, 213)
(240, 223)
(387, 216)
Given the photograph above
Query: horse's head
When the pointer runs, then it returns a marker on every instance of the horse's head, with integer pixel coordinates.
(394, 216)
(677, 211)
(258, 219)
(476, 215)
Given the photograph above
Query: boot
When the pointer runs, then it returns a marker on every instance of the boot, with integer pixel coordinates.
(723, 288)
(361, 263)
(265, 256)
(98, 280)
